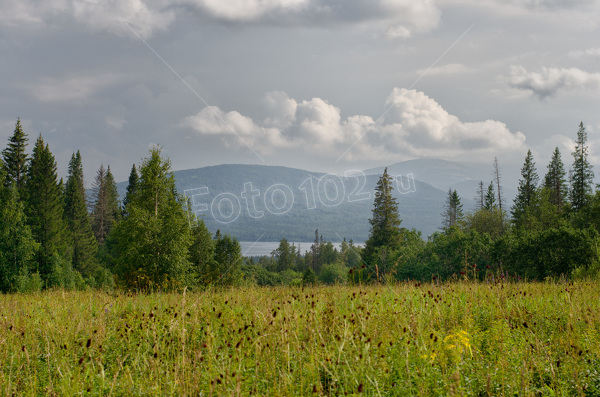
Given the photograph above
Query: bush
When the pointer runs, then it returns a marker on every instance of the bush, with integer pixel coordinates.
(28, 282)
(334, 273)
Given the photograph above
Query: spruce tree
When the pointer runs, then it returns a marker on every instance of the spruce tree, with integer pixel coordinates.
(152, 243)
(555, 180)
(385, 223)
(453, 210)
(15, 157)
(106, 209)
(77, 218)
(527, 189)
(228, 256)
(490, 198)
(131, 189)
(44, 209)
(581, 175)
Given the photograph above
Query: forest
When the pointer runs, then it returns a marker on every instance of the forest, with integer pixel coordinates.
(54, 234)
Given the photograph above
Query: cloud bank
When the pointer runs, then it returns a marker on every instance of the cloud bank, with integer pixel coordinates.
(414, 125)
(400, 18)
(550, 81)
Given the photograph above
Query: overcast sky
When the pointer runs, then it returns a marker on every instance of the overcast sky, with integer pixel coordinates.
(327, 85)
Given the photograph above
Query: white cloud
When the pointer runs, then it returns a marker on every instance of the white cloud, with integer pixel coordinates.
(415, 126)
(246, 10)
(549, 81)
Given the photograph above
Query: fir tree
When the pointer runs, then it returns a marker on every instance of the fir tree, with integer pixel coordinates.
(44, 209)
(131, 189)
(555, 180)
(228, 256)
(490, 198)
(106, 204)
(78, 221)
(581, 175)
(385, 223)
(453, 212)
(15, 157)
(527, 189)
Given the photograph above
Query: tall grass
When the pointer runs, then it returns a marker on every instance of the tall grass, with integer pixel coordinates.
(408, 339)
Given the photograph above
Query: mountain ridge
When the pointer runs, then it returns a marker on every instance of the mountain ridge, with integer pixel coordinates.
(267, 203)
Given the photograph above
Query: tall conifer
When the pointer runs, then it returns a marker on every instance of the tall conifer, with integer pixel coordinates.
(15, 157)
(44, 208)
(78, 221)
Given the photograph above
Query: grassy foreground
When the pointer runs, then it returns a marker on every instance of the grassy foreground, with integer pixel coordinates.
(452, 339)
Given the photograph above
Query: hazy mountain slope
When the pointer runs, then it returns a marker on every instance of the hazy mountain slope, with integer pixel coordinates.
(267, 203)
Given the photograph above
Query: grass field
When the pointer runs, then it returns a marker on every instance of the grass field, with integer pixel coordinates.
(407, 339)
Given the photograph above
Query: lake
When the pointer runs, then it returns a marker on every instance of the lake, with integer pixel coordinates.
(260, 248)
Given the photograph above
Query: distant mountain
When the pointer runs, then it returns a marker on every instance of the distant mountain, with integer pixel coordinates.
(266, 203)
(444, 175)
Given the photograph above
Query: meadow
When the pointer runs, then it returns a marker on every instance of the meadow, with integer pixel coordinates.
(459, 338)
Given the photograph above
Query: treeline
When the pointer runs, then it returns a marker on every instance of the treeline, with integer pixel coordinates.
(550, 230)
(51, 236)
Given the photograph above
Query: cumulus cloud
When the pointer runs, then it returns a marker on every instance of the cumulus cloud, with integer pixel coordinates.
(401, 18)
(549, 81)
(415, 125)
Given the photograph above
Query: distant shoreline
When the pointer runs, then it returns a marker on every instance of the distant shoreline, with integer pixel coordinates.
(261, 248)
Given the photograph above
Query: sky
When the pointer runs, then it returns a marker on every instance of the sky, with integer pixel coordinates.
(322, 85)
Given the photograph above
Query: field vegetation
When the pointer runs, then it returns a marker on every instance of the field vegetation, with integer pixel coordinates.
(454, 338)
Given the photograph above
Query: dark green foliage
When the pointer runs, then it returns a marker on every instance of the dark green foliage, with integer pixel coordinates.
(453, 210)
(309, 277)
(285, 255)
(581, 175)
(151, 245)
(106, 211)
(228, 256)
(84, 244)
(17, 247)
(459, 253)
(489, 221)
(202, 254)
(555, 180)
(333, 273)
(385, 221)
(527, 191)
(547, 253)
(489, 202)
(44, 209)
(15, 157)
(132, 187)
